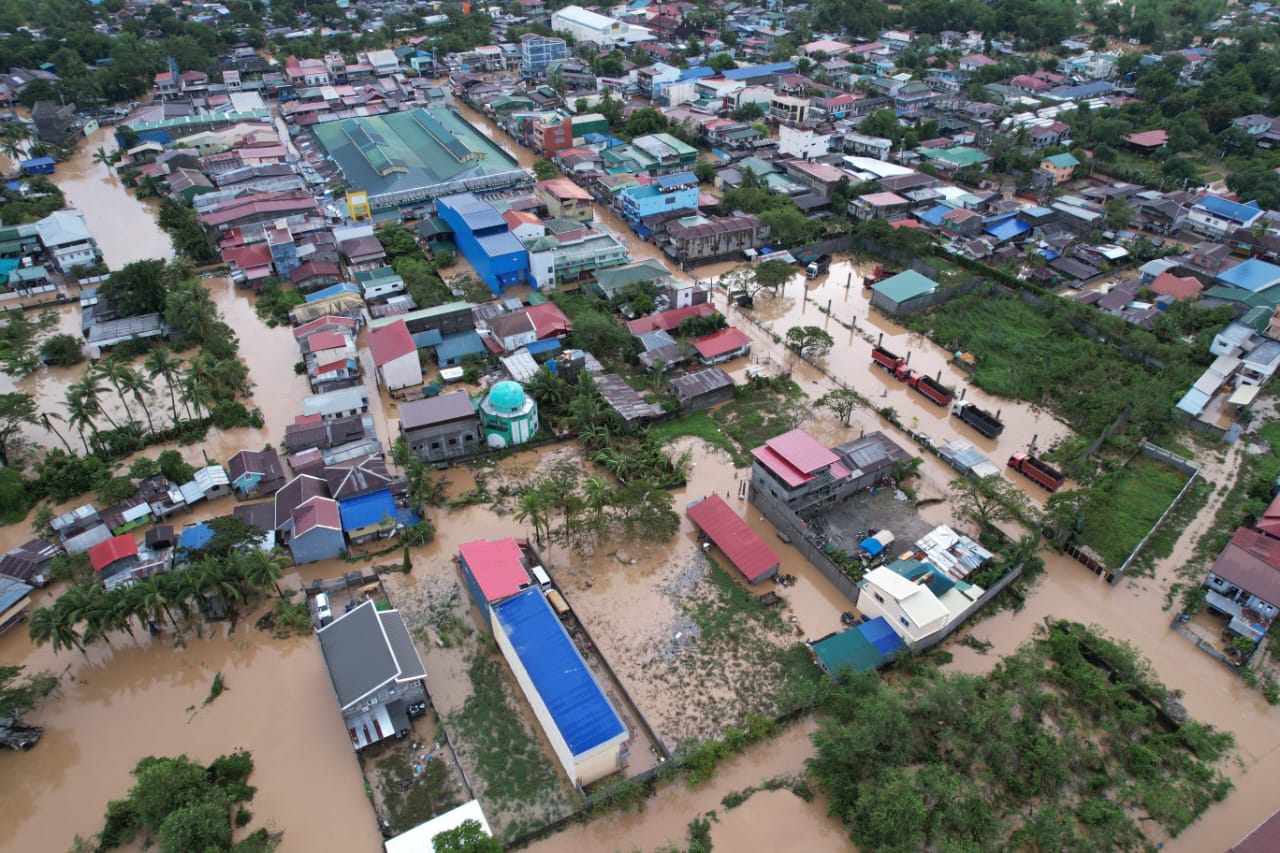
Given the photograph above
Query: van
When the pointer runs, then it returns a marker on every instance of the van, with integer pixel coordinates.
(541, 576)
(323, 614)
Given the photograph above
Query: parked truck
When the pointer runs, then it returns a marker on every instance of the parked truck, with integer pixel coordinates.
(980, 419)
(818, 266)
(889, 362)
(1033, 469)
(931, 388)
(877, 275)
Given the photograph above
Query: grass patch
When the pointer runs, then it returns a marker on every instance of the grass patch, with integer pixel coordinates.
(412, 797)
(1138, 494)
(756, 415)
(1160, 545)
(517, 776)
(699, 425)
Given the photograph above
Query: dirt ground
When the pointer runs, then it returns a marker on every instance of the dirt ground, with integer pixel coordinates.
(887, 509)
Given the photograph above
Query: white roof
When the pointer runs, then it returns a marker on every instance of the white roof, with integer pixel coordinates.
(211, 477)
(421, 839)
(1244, 395)
(879, 168)
(923, 607)
(191, 492)
(891, 582)
(62, 228)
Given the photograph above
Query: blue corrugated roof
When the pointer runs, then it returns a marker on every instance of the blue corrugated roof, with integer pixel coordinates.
(696, 73)
(456, 346)
(474, 211)
(333, 290)
(881, 635)
(1007, 229)
(1252, 275)
(537, 347)
(676, 179)
(1229, 209)
(429, 338)
(11, 592)
(366, 510)
(195, 537)
(578, 707)
(933, 216)
(749, 71)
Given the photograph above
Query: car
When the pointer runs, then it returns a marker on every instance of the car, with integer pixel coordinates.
(324, 615)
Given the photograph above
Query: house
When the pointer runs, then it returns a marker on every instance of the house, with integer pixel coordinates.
(372, 515)
(114, 557)
(585, 731)
(893, 294)
(15, 602)
(441, 428)
(1252, 275)
(513, 330)
(1243, 584)
(800, 472)
(316, 531)
(376, 673)
(290, 496)
(341, 403)
(882, 205)
(395, 356)
(702, 389)
(421, 838)
(721, 346)
(698, 239)
(1147, 141)
(666, 196)
(1176, 287)
(255, 472)
(315, 433)
(1059, 167)
(67, 241)
(80, 529)
(494, 570)
(565, 199)
(915, 598)
(29, 563)
(56, 124)
(1216, 217)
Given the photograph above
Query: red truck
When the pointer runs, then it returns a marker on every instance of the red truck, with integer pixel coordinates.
(889, 362)
(879, 274)
(1033, 469)
(931, 388)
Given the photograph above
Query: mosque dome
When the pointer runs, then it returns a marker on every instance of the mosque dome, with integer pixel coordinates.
(507, 397)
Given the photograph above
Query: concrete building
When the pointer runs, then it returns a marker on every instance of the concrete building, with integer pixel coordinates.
(914, 598)
(574, 256)
(699, 239)
(585, 731)
(565, 199)
(67, 241)
(493, 570)
(589, 26)
(376, 673)
(802, 142)
(441, 428)
(484, 239)
(666, 195)
(395, 356)
(508, 415)
(537, 52)
(56, 123)
(1215, 217)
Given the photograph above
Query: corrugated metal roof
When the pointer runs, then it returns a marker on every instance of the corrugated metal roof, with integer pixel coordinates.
(750, 554)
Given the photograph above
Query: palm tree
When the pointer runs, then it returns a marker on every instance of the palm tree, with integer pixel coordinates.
(91, 390)
(46, 421)
(112, 370)
(153, 599)
(80, 415)
(122, 609)
(533, 508)
(197, 393)
(48, 625)
(133, 382)
(596, 491)
(97, 615)
(264, 569)
(160, 363)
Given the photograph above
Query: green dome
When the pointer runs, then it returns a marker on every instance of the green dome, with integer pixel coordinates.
(507, 397)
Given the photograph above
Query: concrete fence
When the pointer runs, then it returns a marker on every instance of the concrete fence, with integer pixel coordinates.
(781, 517)
(1178, 463)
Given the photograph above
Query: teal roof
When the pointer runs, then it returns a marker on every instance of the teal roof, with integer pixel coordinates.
(960, 156)
(1258, 318)
(847, 649)
(905, 285)
(507, 397)
(1062, 161)
(1269, 298)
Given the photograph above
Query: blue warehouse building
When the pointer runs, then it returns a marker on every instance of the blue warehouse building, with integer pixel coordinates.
(485, 240)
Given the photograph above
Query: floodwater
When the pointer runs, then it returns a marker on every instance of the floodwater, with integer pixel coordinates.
(124, 226)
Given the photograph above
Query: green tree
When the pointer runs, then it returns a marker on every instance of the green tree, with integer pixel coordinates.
(469, 837)
(17, 410)
(545, 170)
(770, 275)
(160, 363)
(61, 350)
(137, 288)
(704, 171)
(840, 401)
(20, 693)
(809, 341)
(988, 501)
(721, 62)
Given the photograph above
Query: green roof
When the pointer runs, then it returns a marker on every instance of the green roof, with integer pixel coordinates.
(1258, 318)
(850, 648)
(905, 285)
(1062, 161)
(1268, 298)
(961, 156)
(647, 270)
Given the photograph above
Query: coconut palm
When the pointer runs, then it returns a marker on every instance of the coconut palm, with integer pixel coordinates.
(136, 386)
(596, 492)
(153, 599)
(80, 415)
(198, 393)
(122, 609)
(49, 625)
(46, 420)
(263, 569)
(91, 390)
(533, 509)
(97, 615)
(112, 370)
(160, 362)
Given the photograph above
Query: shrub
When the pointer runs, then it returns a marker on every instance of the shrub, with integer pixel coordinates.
(61, 350)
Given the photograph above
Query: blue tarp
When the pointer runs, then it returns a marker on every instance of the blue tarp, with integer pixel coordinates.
(366, 510)
(408, 517)
(871, 545)
(881, 635)
(578, 707)
(195, 537)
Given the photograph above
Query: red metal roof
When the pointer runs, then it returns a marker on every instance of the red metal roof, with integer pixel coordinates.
(721, 342)
(1269, 523)
(321, 323)
(748, 552)
(389, 342)
(1148, 138)
(795, 456)
(496, 566)
(548, 320)
(326, 340)
(779, 466)
(1265, 838)
(316, 512)
(116, 548)
(1176, 286)
(668, 320)
(1251, 561)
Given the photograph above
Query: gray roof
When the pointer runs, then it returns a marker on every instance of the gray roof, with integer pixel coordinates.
(702, 382)
(436, 410)
(365, 649)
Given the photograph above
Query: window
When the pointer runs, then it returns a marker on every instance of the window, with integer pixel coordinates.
(435, 445)
(469, 437)
(452, 442)
(878, 597)
(904, 621)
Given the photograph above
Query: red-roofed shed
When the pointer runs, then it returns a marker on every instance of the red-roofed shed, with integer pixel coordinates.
(722, 346)
(668, 320)
(494, 569)
(112, 551)
(750, 554)
(389, 342)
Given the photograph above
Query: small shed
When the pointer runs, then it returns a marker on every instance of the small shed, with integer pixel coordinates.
(894, 294)
(702, 389)
(867, 646)
(750, 554)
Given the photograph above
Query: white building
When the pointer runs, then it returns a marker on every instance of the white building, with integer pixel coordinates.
(912, 607)
(67, 241)
(590, 26)
(803, 143)
(395, 355)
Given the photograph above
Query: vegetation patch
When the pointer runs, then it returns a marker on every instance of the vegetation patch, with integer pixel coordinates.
(1065, 746)
(699, 425)
(1135, 498)
(762, 411)
(413, 790)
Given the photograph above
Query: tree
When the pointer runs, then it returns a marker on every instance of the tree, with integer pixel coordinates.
(199, 826)
(160, 362)
(748, 112)
(771, 275)
(704, 171)
(263, 569)
(644, 121)
(809, 341)
(61, 350)
(469, 837)
(532, 507)
(55, 627)
(1119, 214)
(19, 693)
(116, 489)
(841, 401)
(545, 170)
(17, 409)
(988, 501)
(722, 62)
(137, 288)
(174, 467)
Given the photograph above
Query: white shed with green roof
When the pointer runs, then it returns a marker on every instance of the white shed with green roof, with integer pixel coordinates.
(895, 292)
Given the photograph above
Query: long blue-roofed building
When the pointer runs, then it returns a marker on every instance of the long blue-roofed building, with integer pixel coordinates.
(585, 730)
(485, 240)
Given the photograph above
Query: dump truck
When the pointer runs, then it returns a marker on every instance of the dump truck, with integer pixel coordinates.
(1037, 471)
(980, 419)
(818, 266)
(889, 362)
(878, 274)
(931, 388)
